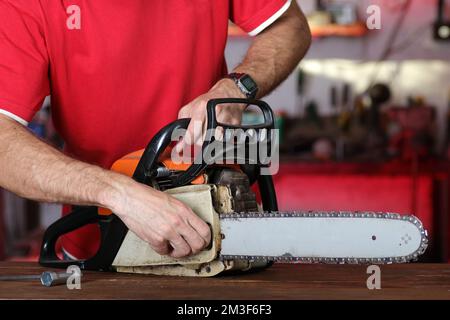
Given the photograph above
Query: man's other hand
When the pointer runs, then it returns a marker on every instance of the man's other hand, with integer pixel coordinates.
(196, 110)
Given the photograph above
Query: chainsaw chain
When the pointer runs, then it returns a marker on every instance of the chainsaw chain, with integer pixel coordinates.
(334, 214)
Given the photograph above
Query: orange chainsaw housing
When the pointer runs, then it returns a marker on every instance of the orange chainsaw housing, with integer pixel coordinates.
(127, 165)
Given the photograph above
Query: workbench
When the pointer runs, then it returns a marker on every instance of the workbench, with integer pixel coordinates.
(281, 281)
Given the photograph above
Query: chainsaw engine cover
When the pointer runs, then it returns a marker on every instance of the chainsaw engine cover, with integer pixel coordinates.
(230, 191)
(136, 252)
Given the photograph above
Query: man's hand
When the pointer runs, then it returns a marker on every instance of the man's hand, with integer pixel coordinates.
(169, 226)
(273, 55)
(196, 110)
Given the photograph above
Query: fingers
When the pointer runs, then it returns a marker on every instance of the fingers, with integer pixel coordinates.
(185, 232)
(160, 245)
(196, 131)
(194, 231)
(202, 229)
(230, 114)
(192, 238)
(184, 112)
(197, 126)
(196, 110)
(180, 248)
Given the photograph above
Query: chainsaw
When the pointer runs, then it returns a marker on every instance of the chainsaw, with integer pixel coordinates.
(246, 234)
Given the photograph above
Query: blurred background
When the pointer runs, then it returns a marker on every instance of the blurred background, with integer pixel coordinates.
(364, 120)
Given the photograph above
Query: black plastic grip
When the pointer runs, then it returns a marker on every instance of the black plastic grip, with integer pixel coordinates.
(112, 232)
(199, 164)
(155, 148)
(263, 106)
(76, 219)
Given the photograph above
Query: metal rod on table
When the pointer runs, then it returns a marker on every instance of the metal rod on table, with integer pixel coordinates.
(20, 278)
(47, 278)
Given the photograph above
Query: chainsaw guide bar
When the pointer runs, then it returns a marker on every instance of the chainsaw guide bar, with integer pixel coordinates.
(374, 233)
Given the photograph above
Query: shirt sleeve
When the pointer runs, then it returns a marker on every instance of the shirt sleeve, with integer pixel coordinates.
(253, 16)
(24, 75)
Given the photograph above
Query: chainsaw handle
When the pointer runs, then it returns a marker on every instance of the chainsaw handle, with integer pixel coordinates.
(112, 231)
(199, 164)
(213, 123)
(76, 219)
(267, 192)
(159, 143)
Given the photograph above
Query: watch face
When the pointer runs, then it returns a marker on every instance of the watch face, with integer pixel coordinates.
(248, 83)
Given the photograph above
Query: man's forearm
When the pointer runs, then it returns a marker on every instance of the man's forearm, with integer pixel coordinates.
(33, 169)
(277, 51)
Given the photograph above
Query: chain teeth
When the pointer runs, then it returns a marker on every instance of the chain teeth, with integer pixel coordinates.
(332, 214)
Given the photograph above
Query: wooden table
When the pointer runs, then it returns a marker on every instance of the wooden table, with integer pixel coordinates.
(411, 281)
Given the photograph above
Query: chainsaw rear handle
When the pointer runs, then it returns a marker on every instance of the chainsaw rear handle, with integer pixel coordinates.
(112, 231)
(76, 219)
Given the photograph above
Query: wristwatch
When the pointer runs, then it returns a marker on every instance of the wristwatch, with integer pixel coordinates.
(245, 83)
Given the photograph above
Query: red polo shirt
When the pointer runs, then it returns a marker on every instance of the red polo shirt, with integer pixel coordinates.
(117, 71)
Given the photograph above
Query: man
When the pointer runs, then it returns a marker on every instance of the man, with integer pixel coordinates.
(118, 71)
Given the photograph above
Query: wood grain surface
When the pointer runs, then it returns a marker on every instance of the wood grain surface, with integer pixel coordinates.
(282, 281)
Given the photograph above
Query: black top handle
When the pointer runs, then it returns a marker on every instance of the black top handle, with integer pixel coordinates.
(265, 182)
(200, 164)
